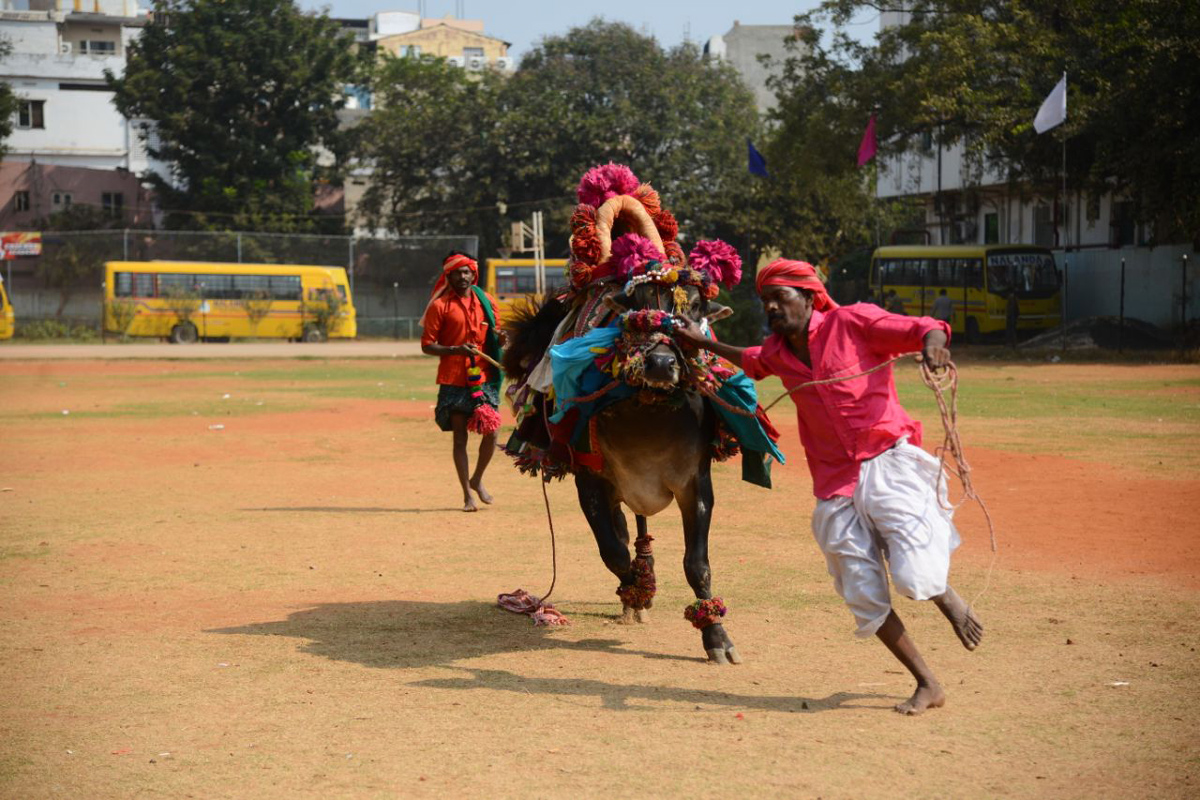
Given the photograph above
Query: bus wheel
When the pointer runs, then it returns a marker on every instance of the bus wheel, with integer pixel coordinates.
(973, 336)
(184, 333)
(314, 334)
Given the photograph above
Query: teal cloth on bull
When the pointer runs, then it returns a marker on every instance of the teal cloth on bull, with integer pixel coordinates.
(571, 362)
(757, 447)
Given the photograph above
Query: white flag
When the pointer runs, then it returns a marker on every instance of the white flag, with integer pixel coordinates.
(1054, 108)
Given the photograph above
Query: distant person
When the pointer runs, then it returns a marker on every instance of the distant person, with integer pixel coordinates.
(1012, 315)
(873, 299)
(943, 307)
(894, 303)
(460, 323)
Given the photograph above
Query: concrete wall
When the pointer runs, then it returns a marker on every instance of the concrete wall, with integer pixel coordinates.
(743, 45)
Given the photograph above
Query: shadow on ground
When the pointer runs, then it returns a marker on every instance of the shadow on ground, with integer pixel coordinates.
(401, 634)
(356, 509)
(626, 697)
(415, 635)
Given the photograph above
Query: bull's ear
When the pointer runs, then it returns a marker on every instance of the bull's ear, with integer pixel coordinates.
(618, 302)
(716, 312)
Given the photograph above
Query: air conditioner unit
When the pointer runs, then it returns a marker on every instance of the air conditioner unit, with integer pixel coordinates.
(64, 48)
(504, 63)
(455, 61)
(476, 62)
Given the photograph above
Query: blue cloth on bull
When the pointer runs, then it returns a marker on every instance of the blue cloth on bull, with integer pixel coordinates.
(757, 447)
(575, 375)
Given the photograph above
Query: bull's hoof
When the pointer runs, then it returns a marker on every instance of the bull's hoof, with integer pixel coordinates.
(642, 615)
(718, 655)
(628, 616)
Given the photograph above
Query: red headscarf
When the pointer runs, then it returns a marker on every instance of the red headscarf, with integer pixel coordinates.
(451, 263)
(799, 274)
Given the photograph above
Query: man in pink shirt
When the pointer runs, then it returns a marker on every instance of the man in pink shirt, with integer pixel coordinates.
(880, 505)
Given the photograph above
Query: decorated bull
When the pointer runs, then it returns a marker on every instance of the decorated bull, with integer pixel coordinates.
(603, 391)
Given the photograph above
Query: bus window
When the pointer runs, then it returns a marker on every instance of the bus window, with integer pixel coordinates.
(247, 285)
(285, 287)
(217, 287)
(170, 281)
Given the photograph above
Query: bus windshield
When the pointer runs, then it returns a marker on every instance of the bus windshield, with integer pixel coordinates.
(1028, 273)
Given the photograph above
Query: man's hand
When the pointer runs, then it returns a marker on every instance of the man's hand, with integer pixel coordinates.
(934, 351)
(688, 331)
(465, 350)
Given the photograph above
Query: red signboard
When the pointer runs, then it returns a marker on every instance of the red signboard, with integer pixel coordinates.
(20, 243)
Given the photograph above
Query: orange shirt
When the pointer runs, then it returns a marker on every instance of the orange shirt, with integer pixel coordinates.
(452, 320)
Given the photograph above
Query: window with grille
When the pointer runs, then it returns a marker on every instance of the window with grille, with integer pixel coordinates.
(98, 47)
(31, 114)
(21, 201)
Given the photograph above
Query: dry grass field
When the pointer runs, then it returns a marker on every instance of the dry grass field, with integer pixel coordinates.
(289, 605)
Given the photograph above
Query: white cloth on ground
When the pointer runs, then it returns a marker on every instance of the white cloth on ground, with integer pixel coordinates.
(895, 514)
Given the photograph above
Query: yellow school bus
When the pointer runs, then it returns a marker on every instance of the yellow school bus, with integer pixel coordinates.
(511, 280)
(977, 279)
(187, 301)
(7, 318)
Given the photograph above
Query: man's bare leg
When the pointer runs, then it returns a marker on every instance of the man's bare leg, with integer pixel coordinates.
(486, 448)
(966, 625)
(458, 426)
(929, 692)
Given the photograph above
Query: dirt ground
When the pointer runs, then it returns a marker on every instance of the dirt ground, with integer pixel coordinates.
(290, 605)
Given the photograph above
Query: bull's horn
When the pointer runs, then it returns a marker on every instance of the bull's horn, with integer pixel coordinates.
(627, 209)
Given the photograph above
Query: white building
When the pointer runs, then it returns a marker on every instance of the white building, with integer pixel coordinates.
(69, 143)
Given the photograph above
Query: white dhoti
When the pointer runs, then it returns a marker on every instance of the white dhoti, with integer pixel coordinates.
(895, 514)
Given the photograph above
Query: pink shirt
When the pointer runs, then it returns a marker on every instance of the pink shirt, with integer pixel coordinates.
(847, 422)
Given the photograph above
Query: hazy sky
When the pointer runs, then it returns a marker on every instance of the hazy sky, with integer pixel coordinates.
(524, 22)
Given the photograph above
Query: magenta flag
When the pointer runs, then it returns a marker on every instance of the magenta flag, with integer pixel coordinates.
(866, 148)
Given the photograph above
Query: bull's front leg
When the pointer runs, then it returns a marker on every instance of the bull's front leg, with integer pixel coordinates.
(597, 498)
(696, 507)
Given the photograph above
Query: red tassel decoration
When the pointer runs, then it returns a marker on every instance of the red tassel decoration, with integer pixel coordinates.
(484, 419)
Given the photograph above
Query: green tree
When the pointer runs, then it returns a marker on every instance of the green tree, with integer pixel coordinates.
(976, 71)
(425, 144)
(455, 151)
(243, 93)
(605, 92)
(8, 100)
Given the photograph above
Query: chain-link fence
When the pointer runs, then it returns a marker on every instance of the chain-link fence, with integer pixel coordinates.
(390, 279)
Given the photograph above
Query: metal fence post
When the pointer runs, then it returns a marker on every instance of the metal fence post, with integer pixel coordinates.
(239, 247)
(1066, 297)
(1121, 329)
(125, 244)
(350, 263)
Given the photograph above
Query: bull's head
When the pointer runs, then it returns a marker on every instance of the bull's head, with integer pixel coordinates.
(665, 362)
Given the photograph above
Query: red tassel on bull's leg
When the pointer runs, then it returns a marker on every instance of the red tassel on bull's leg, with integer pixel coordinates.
(484, 419)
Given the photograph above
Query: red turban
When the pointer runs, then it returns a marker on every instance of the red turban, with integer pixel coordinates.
(798, 274)
(452, 262)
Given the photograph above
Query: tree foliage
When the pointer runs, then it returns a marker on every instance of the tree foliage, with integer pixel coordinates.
(8, 100)
(242, 92)
(976, 71)
(449, 148)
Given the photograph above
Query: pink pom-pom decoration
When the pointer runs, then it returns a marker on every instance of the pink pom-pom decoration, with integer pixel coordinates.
(600, 183)
(719, 260)
(631, 251)
(484, 420)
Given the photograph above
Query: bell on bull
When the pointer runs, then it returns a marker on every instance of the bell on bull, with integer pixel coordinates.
(603, 390)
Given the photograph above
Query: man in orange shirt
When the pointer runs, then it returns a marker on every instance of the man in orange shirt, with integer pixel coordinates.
(459, 323)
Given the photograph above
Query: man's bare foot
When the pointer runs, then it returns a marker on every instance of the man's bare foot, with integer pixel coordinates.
(469, 504)
(962, 618)
(924, 697)
(477, 485)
